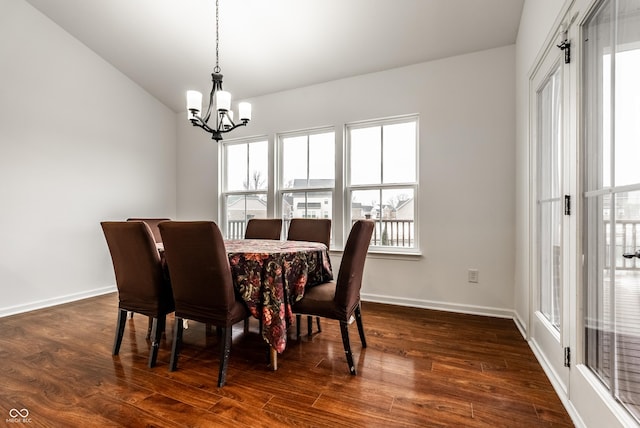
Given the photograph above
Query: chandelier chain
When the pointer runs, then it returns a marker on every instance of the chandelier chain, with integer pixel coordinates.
(217, 68)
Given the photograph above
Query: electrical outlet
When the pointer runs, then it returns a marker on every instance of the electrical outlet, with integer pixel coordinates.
(473, 275)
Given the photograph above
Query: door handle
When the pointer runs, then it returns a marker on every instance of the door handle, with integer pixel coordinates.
(631, 255)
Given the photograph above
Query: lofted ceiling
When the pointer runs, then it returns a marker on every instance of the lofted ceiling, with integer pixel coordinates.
(266, 46)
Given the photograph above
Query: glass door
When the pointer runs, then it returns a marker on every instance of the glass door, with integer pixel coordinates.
(548, 328)
(611, 165)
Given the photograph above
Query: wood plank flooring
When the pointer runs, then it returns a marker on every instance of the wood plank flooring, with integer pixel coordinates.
(421, 368)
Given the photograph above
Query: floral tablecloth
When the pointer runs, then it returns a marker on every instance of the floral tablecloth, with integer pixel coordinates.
(271, 275)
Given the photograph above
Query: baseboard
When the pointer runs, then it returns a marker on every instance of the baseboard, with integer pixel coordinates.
(440, 306)
(41, 304)
(521, 325)
(376, 298)
(557, 385)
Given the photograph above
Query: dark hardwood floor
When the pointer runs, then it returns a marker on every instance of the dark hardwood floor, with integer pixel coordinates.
(421, 368)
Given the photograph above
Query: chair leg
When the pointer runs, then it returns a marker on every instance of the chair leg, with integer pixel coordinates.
(360, 327)
(318, 322)
(298, 321)
(122, 321)
(158, 328)
(344, 329)
(225, 350)
(309, 325)
(150, 328)
(177, 342)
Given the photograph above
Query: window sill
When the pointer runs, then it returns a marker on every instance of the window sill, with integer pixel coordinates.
(378, 253)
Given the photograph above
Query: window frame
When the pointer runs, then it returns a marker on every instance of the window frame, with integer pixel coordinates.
(281, 190)
(225, 193)
(413, 185)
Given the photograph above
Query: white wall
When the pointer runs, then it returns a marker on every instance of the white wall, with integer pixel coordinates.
(197, 172)
(467, 175)
(79, 143)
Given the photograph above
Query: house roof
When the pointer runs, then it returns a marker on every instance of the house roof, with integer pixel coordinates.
(309, 205)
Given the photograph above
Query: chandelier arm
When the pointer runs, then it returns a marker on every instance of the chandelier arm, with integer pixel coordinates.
(216, 79)
(224, 114)
(234, 126)
(244, 123)
(197, 121)
(211, 95)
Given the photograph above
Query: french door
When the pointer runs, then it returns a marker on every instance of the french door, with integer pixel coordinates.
(611, 165)
(549, 327)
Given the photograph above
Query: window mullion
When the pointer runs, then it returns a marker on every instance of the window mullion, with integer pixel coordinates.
(308, 161)
(248, 172)
(381, 154)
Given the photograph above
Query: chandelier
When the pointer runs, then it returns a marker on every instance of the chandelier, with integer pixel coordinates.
(223, 115)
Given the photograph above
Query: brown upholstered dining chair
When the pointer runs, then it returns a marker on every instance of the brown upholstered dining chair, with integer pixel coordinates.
(312, 230)
(153, 225)
(263, 228)
(142, 285)
(202, 284)
(340, 300)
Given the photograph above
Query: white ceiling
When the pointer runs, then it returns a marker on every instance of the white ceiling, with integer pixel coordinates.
(266, 46)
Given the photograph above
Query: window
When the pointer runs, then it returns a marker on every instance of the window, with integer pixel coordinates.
(378, 180)
(307, 181)
(549, 197)
(245, 182)
(382, 179)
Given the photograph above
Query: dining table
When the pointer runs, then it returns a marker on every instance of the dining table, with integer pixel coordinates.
(271, 275)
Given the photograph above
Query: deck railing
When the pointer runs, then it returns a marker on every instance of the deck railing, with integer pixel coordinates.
(627, 240)
(387, 232)
(235, 229)
(393, 233)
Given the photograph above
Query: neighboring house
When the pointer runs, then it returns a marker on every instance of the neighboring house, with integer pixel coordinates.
(405, 209)
(359, 211)
(237, 209)
(310, 204)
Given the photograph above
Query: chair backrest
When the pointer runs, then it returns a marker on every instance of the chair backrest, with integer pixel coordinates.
(352, 266)
(141, 284)
(199, 269)
(310, 229)
(153, 225)
(263, 228)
